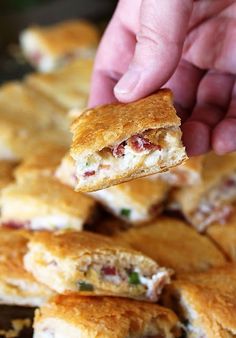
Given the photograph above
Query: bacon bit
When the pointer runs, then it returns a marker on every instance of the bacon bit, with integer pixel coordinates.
(108, 270)
(36, 57)
(89, 173)
(139, 143)
(119, 150)
(104, 166)
(155, 209)
(15, 224)
(230, 183)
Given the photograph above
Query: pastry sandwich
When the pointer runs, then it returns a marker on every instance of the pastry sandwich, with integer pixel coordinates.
(103, 317)
(28, 107)
(119, 142)
(93, 264)
(211, 200)
(205, 302)
(41, 162)
(48, 48)
(224, 235)
(17, 286)
(44, 203)
(68, 86)
(186, 174)
(174, 244)
(135, 202)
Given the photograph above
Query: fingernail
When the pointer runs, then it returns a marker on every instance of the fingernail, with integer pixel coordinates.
(128, 82)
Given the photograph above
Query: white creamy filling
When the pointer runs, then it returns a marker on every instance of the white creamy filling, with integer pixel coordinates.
(108, 166)
(55, 222)
(57, 328)
(212, 205)
(154, 285)
(117, 203)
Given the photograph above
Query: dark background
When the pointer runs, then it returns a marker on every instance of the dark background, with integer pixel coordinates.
(16, 15)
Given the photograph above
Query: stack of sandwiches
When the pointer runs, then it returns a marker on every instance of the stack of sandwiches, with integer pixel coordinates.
(110, 231)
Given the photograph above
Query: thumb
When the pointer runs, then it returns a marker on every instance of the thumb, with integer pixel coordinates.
(160, 38)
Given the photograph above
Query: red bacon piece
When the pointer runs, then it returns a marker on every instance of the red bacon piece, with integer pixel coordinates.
(89, 173)
(36, 57)
(119, 150)
(109, 270)
(139, 143)
(15, 224)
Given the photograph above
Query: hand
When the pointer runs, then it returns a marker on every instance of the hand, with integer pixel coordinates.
(187, 46)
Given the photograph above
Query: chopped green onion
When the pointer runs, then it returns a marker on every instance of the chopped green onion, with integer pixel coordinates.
(83, 286)
(134, 278)
(125, 212)
(87, 164)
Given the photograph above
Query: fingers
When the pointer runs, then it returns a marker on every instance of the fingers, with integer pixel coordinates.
(212, 45)
(114, 53)
(213, 97)
(163, 26)
(184, 84)
(224, 134)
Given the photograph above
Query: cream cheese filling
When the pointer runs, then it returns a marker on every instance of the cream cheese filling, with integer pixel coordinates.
(105, 165)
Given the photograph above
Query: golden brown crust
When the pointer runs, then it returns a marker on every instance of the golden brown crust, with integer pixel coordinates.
(11, 262)
(215, 169)
(172, 243)
(74, 245)
(17, 286)
(68, 86)
(21, 140)
(224, 235)
(109, 317)
(211, 297)
(111, 124)
(42, 162)
(24, 105)
(65, 37)
(46, 196)
(6, 173)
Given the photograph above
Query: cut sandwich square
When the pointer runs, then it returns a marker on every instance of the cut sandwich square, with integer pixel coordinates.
(42, 203)
(17, 286)
(118, 142)
(73, 316)
(93, 264)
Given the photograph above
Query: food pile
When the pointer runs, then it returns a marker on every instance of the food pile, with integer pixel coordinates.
(109, 231)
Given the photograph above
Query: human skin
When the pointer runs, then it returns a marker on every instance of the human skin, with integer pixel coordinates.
(188, 46)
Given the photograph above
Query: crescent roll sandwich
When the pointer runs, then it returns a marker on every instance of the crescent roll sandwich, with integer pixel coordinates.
(205, 302)
(22, 104)
(17, 140)
(48, 48)
(42, 162)
(44, 203)
(212, 200)
(17, 286)
(119, 142)
(224, 235)
(74, 316)
(65, 172)
(172, 243)
(93, 264)
(68, 87)
(135, 202)
(186, 174)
